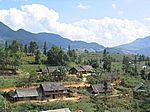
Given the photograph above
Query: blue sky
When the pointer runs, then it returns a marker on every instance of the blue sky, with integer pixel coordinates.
(107, 22)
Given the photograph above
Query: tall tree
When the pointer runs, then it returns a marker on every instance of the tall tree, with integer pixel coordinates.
(45, 48)
(56, 56)
(26, 48)
(105, 87)
(38, 57)
(32, 47)
(1, 56)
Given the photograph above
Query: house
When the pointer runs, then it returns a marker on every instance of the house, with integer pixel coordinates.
(47, 70)
(77, 70)
(8, 71)
(81, 69)
(53, 90)
(99, 88)
(24, 93)
(58, 110)
(51, 69)
(45, 90)
(87, 68)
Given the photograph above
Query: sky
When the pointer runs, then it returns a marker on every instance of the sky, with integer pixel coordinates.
(107, 22)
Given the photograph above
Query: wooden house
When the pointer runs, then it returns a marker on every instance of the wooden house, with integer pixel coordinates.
(99, 88)
(8, 71)
(24, 94)
(45, 90)
(58, 110)
(53, 90)
(81, 69)
(87, 68)
(47, 70)
(77, 70)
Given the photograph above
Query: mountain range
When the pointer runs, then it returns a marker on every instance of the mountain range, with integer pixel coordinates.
(25, 37)
(139, 46)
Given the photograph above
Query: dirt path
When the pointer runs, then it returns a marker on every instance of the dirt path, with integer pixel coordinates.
(77, 85)
(7, 89)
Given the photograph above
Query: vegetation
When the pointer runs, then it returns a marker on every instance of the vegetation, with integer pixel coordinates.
(26, 59)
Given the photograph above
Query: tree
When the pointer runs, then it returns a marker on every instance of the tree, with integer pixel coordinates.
(56, 56)
(15, 46)
(107, 63)
(26, 48)
(1, 56)
(45, 48)
(126, 65)
(142, 73)
(104, 54)
(105, 87)
(72, 55)
(32, 47)
(6, 45)
(4, 105)
(38, 57)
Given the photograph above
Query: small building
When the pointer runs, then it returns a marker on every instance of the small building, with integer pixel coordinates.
(58, 110)
(53, 90)
(81, 69)
(24, 94)
(8, 71)
(45, 90)
(87, 68)
(99, 88)
(47, 70)
(77, 70)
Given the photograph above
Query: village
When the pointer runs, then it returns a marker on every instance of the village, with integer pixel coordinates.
(72, 80)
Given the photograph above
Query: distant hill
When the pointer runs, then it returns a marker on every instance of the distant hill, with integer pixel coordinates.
(52, 39)
(139, 46)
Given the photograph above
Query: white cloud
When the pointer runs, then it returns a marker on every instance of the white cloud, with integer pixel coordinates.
(106, 31)
(114, 6)
(81, 6)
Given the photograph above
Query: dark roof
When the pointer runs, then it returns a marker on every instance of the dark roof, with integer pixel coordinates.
(51, 69)
(58, 110)
(78, 69)
(99, 88)
(87, 68)
(53, 86)
(27, 92)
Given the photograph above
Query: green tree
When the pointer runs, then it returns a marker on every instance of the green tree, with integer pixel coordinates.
(38, 57)
(45, 48)
(4, 105)
(32, 47)
(107, 63)
(105, 87)
(72, 55)
(1, 56)
(26, 48)
(143, 74)
(56, 56)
